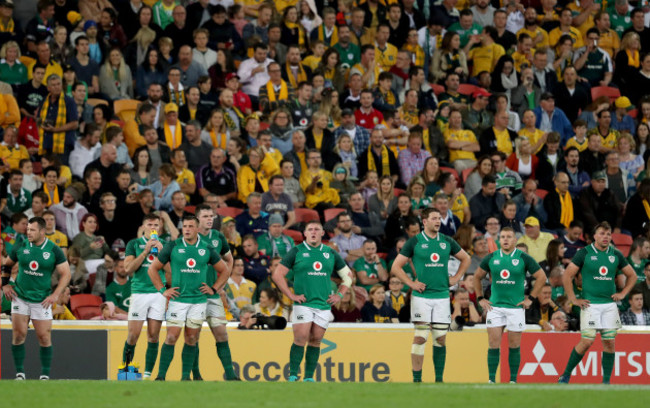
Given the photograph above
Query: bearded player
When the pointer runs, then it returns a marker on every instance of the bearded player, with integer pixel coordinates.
(430, 312)
(31, 295)
(190, 257)
(598, 264)
(312, 264)
(505, 309)
(215, 312)
(146, 303)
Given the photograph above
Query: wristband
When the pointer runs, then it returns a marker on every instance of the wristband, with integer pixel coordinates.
(162, 290)
(478, 299)
(340, 294)
(5, 280)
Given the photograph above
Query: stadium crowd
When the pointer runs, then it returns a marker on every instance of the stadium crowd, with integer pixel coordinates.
(529, 114)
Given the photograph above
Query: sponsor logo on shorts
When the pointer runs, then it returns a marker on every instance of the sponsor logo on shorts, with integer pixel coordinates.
(591, 323)
(489, 321)
(201, 252)
(134, 314)
(46, 255)
(46, 313)
(16, 307)
(173, 314)
(418, 315)
(300, 317)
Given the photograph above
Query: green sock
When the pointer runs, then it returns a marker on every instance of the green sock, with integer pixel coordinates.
(311, 360)
(493, 363)
(439, 357)
(151, 357)
(417, 375)
(187, 357)
(223, 351)
(196, 373)
(514, 359)
(608, 365)
(46, 360)
(127, 353)
(18, 351)
(574, 359)
(295, 358)
(166, 357)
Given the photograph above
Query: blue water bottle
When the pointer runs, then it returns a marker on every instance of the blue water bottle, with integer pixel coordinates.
(154, 235)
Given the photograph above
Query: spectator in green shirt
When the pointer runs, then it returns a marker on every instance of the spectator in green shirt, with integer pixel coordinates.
(119, 291)
(370, 268)
(275, 243)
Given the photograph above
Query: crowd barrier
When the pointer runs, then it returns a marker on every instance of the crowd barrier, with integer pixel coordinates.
(349, 353)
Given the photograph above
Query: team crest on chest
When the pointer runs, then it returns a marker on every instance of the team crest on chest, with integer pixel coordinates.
(317, 266)
(215, 243)
(326, 255)
(611, 259)
(443, 245)
(46, 255)
(201, 252)
(515, 262)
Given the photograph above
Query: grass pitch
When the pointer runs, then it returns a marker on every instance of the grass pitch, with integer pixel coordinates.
(111, 394)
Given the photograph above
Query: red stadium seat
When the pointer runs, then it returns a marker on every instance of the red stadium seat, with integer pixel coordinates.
(541, 193)
(466, 173)
(37, 167)
(611, 93)
(398, 191)
(383, 255)
(87, 312)
(77, 302)
(306, 215)
(467, 89)
(633, 113)
(621, 239)
(190, 209)
(229, 211)
(437, 89)
(331, 213)
(295, 235)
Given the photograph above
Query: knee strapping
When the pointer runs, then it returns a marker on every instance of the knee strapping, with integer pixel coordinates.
(588, 334)
(216, 321)
(194, 323)
(175, 323)
(439, 330)
(418, 349)
(608, 334)
(422, 330)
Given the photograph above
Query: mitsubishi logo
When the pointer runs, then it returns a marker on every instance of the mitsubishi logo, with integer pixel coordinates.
(530, 368)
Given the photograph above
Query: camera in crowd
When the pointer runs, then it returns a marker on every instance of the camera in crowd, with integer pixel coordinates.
(269, 322)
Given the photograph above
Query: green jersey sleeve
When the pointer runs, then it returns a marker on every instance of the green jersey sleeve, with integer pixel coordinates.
(622, 262)
(214, 256)
(409, 247)
(339, 263)
(485, 263)
(531, 264)
(290, 258)
(579, 258)
(130, 248)
(59, 256)
(453, 245)
(165, 255)
(225, 248)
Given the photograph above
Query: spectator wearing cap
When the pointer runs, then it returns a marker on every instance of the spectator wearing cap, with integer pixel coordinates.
(621, 120)
(597, 204)
(552, 119)
(475, 116)
(276, 93)
(535, 239)
(592, 62)
(96, 47)
(274, 243)
(172, 130)
(40, 27)
(8, 29)
(360, 135)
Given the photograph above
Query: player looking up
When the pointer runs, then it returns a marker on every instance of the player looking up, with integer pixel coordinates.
(430, 251)
(507, 268)
(312, 265)
(598, 263)
(190, 258)
(215, 312)
(30, 293)
(146, 303)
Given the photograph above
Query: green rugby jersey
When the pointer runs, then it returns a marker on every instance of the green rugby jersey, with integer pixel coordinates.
(370, 268)
(219, 242)
(599, 269)
(312, 269)
(508, 273)
(431, 258)
(36, 264)
(141, 283)
(190, 266)
(638, 268)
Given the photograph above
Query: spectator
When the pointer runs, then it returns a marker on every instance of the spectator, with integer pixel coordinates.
(522, 161)
(115, 79)
(376, 310)
(636, 220)
(571, 94)
(31, 181)
(15, 233)
(592, 62)
(552, 119)
(276, 201)
(396, 224)
(253, 72)
(486, 203)
(480, 251)
(276, 92)
(69, 212)
(591, 159)
(275, 243)
(384, 201)
(449, 223)
(636, 315)
(318, 136)
(411, 160)
(315, 182)
(12, 71)
(60, 309)
(559, 205)
(253, 221)
(15, 198)
(508, 182)
(462, 144)
(270, 304)
(164, 188)
(464, 308)
(349, 244)
(542, 309)
(256, 265)
(134, 129)
(619, 181)
(84, 150)
(370, 268)
(577, 179)
(118, 292)
(291, 185)
(535, 240)
(644, 286)
(346, 310)
(148, 73)
(107, 165)
(544, 76)
(255, 176)
(240, 288)
(599, 203)
(58, 114)
(93, 249)
(528, 203)
(50, 187)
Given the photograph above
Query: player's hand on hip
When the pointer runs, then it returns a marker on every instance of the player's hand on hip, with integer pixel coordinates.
(418, 286)
(333, 299)
(297, 298)
(526, 303)
(9, 292)
(49, 301)
(206, 290)
(582, 303)
(618, 296)
(172, 293)
(485, 304)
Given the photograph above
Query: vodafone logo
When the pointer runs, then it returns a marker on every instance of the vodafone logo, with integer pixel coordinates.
(505, 274)
(318, 266)
(191, 263)
(33, 265)
(602, 270)
(151, 258)
(435, 257)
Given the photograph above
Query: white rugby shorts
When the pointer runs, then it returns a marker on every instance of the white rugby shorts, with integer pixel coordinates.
(430, 310)
(305, 314)
(513, 319)
(145, 306)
